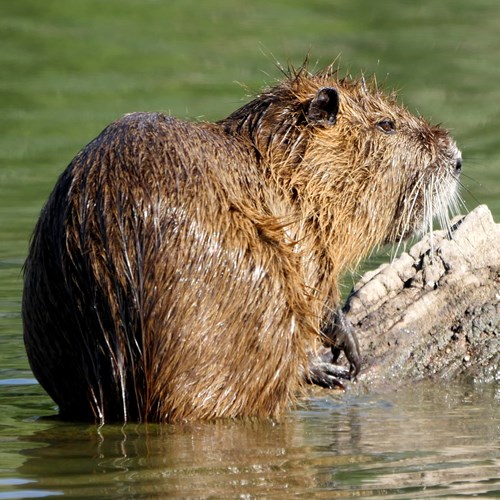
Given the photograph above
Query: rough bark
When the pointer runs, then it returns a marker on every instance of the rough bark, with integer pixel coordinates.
(435, 311)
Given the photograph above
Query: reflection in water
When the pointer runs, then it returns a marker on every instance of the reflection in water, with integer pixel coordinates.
(428, 440)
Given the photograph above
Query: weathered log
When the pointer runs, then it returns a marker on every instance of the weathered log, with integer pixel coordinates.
(434, 311)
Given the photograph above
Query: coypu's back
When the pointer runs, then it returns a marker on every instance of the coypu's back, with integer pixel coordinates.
(147, 287)
(181, 270)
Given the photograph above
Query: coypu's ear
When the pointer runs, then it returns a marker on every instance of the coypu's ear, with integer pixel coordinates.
(324, 107)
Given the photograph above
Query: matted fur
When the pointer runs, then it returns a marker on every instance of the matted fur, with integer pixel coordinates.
(181, 270)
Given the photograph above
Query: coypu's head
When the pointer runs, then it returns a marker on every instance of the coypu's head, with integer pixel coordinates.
(353, 158)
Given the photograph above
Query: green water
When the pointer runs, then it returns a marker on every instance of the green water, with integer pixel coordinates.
(69, 67)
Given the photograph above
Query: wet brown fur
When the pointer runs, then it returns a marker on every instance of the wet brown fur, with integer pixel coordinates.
(181, 270)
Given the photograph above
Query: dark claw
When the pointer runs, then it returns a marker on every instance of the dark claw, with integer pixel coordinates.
(327, 375)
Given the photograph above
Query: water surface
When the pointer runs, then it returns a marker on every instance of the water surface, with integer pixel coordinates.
(433, 439)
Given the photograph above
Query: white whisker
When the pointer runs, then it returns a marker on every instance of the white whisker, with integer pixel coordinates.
(402, 230)
(429, 211)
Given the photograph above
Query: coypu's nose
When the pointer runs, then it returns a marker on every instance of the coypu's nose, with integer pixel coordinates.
(458, 165)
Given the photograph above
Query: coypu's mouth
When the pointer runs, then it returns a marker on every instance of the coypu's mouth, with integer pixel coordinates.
(442, 199)
(434, 197)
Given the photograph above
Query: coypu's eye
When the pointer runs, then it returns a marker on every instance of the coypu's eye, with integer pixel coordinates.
(387, 126)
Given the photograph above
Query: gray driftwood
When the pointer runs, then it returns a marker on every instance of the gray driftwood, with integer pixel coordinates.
(433, 312)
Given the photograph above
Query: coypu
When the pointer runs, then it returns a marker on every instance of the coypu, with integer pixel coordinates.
(184, 270)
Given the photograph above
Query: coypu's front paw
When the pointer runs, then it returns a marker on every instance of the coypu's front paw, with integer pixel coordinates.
(326, 374)
(339, 335)
(342, 337)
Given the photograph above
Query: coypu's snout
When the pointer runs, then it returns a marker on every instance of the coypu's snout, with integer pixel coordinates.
(441, 192)
(432, 194)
